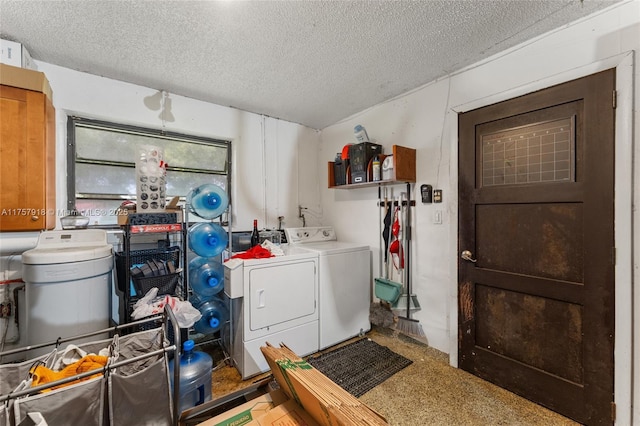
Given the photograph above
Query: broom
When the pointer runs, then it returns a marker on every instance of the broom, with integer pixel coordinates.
(408, 325)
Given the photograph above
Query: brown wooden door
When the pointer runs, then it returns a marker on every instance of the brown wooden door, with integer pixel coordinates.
(536, 297)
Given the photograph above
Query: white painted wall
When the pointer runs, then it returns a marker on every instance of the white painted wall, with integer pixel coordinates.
(267, 152)
(268, 155)
(255, 139)
(279, 165)
(426, 119)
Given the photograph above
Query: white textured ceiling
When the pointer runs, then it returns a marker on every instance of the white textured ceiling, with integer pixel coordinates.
(309, 62)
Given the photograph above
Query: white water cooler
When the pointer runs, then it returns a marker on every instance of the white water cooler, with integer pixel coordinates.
(68, 279)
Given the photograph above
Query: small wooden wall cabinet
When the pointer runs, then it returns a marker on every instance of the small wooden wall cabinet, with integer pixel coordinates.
(27, 151)
(404, 170)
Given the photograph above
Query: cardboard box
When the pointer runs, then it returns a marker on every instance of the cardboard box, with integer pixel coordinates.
(25, 79)
(326, 402)
(123, 216)
(247, 412)
(286, 414)
(15, 54)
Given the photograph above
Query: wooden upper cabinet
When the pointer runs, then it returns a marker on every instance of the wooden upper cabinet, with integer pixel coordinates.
(27, 160)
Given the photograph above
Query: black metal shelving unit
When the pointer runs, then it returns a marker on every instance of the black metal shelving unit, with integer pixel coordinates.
(171, 246)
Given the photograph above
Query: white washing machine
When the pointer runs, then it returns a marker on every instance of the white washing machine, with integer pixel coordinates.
(345, 283)
(272, 300)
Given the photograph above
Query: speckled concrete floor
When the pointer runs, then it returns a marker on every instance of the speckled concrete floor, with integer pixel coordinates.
(431, 392)
(428, 392)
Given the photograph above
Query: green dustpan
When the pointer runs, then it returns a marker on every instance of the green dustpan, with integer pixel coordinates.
(387, 290)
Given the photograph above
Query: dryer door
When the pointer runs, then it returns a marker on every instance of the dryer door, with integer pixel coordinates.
(280, 296)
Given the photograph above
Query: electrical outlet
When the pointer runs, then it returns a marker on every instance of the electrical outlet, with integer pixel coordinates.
(437, 195)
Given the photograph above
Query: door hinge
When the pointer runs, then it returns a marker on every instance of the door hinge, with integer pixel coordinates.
(613, 411)
(615, 99)
(613, 256)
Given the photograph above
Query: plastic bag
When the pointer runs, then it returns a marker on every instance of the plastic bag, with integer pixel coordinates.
(186, 315)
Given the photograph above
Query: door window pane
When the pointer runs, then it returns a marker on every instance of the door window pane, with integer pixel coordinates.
(541, 152)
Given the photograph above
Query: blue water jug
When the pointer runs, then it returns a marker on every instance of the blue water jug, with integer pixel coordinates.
(206, 276)
(214, 314)
(208, 201)
(207, 239)
(195, 377)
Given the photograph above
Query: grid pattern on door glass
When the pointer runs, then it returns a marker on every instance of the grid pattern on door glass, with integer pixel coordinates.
(541, 152)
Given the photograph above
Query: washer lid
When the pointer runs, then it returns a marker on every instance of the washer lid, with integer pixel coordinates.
(333, 247)
(68, 246)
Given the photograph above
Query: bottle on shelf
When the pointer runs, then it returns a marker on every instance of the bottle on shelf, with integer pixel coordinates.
(208, 201)
(206, 276)
(255, 236)
(376, 169)
(195, 376)
(214, 314)
(361, 134)
(207, 239)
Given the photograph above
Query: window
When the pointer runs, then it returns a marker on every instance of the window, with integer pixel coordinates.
(534, 153)
(101, 165)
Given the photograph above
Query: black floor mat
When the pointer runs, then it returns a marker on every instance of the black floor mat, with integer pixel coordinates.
(359, 366)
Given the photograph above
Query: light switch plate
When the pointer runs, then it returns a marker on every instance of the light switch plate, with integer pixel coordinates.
(437, 217)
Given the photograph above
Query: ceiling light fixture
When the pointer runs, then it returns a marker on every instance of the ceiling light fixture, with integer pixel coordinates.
(165, 113)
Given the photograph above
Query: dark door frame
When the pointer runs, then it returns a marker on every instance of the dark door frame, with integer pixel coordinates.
(626, 384)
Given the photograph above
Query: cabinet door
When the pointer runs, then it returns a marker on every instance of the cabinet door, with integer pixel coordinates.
(27, 160)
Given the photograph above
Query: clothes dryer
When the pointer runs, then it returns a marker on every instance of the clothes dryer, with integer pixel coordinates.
(344, 290)
(273, 300)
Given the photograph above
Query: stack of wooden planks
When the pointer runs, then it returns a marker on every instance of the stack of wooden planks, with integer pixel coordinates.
(324, 400)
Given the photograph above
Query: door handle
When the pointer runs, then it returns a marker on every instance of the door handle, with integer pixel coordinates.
(467, 255)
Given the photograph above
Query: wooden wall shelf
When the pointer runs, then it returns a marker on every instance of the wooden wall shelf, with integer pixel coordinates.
(404, 170)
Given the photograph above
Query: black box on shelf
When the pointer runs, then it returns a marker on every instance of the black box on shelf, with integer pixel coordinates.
(152, 218)
(359, 156)
(340, 170)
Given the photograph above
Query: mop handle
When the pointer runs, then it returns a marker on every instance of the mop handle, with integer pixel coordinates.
(407, 237)
(380, 227)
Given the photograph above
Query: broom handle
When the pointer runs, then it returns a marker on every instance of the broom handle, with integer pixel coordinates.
(380, 228)
(407, 238)
(387, 255)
